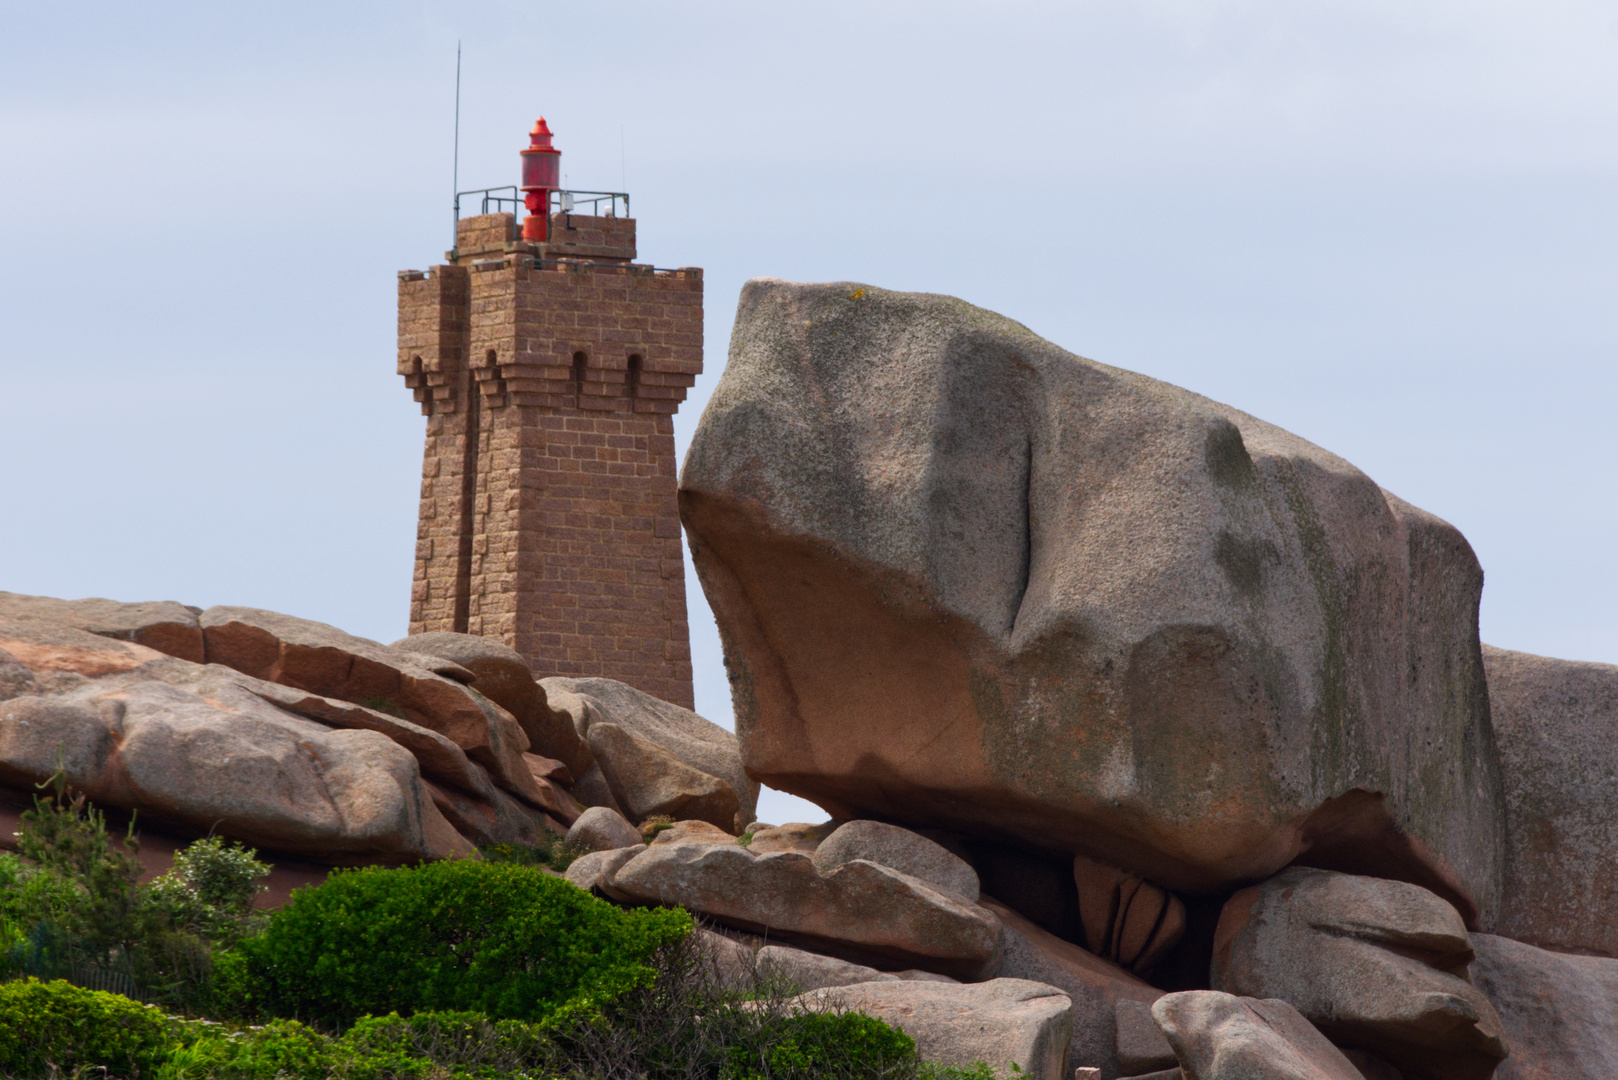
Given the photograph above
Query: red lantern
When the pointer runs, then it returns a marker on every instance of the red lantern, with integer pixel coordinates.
(541, 174)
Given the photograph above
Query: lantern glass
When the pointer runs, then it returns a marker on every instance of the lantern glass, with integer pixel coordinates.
(542, 170)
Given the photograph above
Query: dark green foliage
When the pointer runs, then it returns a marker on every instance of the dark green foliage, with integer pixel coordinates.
(72, 907)
(806, 1046)
(431, 1043)
(503, 939)
(56, 1024)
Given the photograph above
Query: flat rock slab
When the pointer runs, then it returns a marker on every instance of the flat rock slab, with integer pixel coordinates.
(1559, 1012)
(1002, 1022)
(1556, 722)
(968, 580)
(862, 911)
(900, 849)
(1377, 965)
(1222, 1037)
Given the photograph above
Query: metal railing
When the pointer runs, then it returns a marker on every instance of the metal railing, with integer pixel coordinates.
(561, 202)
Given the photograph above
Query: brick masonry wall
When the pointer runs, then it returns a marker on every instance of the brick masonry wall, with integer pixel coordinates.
(554, 526)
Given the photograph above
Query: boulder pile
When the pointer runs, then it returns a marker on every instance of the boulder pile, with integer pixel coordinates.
(1155, 741)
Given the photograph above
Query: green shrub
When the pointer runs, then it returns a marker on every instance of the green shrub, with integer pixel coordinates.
(280, 1050)
(555, 851)
(432, 1043)
(807, 1046)
(506, 940)
(56, 1024)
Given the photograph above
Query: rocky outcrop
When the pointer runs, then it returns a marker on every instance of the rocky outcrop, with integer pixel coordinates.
(860, 911)
(968, 580)
(648, 780)
(899, 849)
(134, 730)
(1377, 965)
(1002, 1022)
(1555, 722)
(163, 625)
(1558, 1013)
(1220, 1037)
(503, 677)
(700, 744)
(793, 836)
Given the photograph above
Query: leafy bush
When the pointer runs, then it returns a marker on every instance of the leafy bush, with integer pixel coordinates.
(431, 1043)
(807, 1046)
(506, 940)
(280, 1050)
(61, 1026)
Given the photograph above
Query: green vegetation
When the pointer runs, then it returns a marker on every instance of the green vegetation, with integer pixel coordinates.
(556, 852)
(467, 970)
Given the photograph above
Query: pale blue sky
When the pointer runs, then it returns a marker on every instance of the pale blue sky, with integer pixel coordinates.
(1387, 226)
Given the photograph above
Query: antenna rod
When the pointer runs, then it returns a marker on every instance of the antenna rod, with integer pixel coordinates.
(455, 228)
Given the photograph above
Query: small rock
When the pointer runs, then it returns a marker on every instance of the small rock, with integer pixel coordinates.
(1559, 1013)
(901, 849)
(1380, 965)
(601, 829)
(596, 870)
(1003, 1022)
(860, 911)
(1222, 1037)
(794, 836)
(649, 780)
(691, 832)
(1141, 1045)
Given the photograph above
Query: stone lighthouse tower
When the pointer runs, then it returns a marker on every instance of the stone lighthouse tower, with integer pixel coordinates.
(550, 369)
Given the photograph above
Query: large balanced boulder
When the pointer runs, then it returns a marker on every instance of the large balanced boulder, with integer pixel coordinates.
(1220, 1037)
(1380, 966)
(1556, 722)
(965, 579)
(1559, 1013)
(648, 780)
(859, 911)
(699, 743)
(1002, 1022)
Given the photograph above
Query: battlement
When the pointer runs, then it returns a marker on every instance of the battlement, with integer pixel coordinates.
(572, 236)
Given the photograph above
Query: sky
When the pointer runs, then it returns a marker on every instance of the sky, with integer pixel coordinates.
(1390, 227)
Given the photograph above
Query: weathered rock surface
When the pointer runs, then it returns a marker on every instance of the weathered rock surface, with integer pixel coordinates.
(692, 832)
(1126, 919)
(860, 911)
(900, 849)
(596, 869)
(966, 579)
(1559, 1013)
(324, 660)
(793, 836)
(601, 829)
(137, 729)
(1003, 1022)
(1377, 965)
(804, 970)
(1097, 989)
(163, 625)
(1556, 722)
(1221, 1037)
(647, 779)
(700, 743)
(503, 677)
